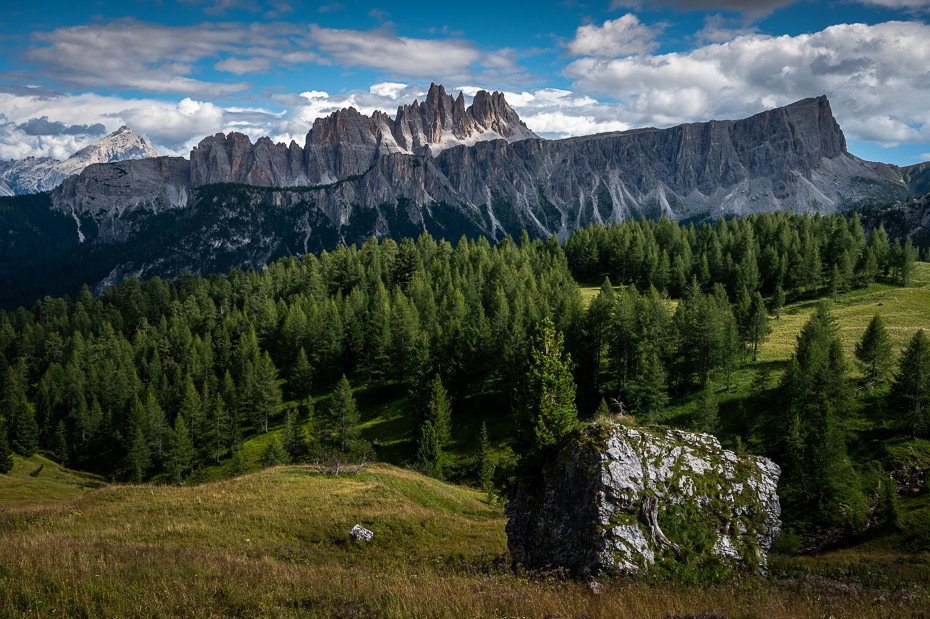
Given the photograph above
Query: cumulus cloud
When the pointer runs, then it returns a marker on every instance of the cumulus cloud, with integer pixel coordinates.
(875, 76)
(624, 36)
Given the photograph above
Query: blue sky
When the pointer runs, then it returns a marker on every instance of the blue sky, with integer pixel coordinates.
(178, 70)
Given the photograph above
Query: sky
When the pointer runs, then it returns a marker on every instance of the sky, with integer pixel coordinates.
(177, 71)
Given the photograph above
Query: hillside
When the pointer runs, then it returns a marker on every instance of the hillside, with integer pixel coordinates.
(275, 544)
(37, 482)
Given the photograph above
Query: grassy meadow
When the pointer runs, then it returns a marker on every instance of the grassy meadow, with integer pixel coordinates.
(275, 544)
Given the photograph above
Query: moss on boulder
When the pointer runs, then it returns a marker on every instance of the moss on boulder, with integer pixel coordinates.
(624, 500)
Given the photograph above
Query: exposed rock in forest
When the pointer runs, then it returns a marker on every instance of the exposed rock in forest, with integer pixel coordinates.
(620, 500)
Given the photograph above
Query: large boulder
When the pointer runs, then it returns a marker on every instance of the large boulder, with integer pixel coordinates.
(622, 500)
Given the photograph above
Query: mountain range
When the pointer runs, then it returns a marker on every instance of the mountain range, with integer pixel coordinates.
(31, 175)
(439, 167)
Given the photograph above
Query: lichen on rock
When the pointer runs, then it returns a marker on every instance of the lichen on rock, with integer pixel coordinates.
(620, 500)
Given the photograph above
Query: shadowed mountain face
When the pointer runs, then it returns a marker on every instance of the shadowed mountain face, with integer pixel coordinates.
(450, 170)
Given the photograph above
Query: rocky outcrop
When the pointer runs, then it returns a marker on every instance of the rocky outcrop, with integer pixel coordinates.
(112, 194)
(32, 175)
(347, 143)
(904, 219)
(443, 121)
(622, 500)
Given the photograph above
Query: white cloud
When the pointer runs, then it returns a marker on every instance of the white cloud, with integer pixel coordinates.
(875, 76)
(384, 50)
(129, 54)
(623, 36)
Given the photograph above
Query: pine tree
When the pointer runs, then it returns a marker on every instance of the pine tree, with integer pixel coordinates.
(546, 397)
(836, 282)
(6, 453)
(274, 453)
(266, 392)
(294, 440)
(874, 350)
(911, 385)
(651, 394)
(60, 443)
(344, 418)
(759, 327)
(706, 409)
(302, 377)
(139, 455)
(907, 261)
(180, 450)
(778, 301)
(439, 412)
(429, 455)
(485, 463)
(220, 427)
(25, 435)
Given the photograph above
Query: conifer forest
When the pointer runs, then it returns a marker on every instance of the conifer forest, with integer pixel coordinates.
(156, 380)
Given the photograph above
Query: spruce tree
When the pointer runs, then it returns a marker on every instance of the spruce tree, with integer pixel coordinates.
(343, 418)
(301, 377)
(485, 463)
(778, 301)
(220, 427)
(180, 450)
(294, 440)
(274, 453)
(6, 453)
(439, 412)
(874, 351)
(546, 397)
(759, 327)
(911, 385)
(25, 439)
(651, 393)
(60, 443)
(706, 409)
(429, 455)
(267, 393)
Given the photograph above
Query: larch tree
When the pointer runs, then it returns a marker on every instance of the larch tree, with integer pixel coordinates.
(6, 453)
(439, 411)
(546, 398)
(343, 430)
(911, 385)
(873, 351)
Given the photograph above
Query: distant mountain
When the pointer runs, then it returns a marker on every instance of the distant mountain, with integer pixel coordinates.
(31, 175)
(437, 166)
(347, 143)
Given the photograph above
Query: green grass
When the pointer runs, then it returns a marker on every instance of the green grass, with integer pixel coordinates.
(275, 544)
(53, 484)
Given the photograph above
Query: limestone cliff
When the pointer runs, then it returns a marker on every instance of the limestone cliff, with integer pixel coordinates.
(621, 500)
(786, 158)
(347, 143)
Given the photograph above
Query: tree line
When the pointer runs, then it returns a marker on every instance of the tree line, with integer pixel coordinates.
(162, 378)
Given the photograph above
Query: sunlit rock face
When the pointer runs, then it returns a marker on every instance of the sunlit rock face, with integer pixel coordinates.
(621, 500)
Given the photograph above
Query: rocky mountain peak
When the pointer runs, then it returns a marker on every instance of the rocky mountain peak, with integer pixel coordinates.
(443, 121)
(31, 175)
(347, 143)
